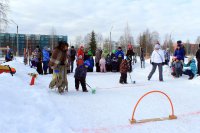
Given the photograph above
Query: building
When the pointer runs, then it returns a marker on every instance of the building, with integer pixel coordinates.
(29, 41)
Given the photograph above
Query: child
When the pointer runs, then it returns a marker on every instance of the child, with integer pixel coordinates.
(80, 76)
(102, 64)
(123, 70)
(191, 68)
(177, 67)
(114, 64)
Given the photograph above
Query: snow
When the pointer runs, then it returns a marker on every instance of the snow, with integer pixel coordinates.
(37, 109)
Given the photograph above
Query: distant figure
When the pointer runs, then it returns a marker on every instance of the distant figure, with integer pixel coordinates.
(9, 54)
(46, 58)
(176, 67)
(97, 59)
(72, 57)
(129, 56)
(120, 56)
(198, 60)
(157, 59)
(142, 59)
(167, 56)
(37, 53)
(102, 64)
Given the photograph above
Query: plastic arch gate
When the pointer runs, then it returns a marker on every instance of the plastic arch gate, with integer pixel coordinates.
(170, 117)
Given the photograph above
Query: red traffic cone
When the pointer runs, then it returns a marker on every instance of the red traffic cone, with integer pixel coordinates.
(32, 80)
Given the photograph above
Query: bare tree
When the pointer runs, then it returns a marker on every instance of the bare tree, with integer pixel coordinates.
(106, 43)
(78, 41)
(99, 40)
(4, 8)
(198, 40)
(87, 40)
(128, 38)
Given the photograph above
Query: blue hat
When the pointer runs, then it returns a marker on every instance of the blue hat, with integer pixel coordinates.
(178, 57)
(87, 63)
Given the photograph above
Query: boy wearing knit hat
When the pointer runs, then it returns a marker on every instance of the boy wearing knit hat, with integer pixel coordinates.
(198, 60)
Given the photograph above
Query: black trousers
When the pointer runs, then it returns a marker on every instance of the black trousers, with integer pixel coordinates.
(97, 67)
(123, 78)
(83, 83)
(39, 68)
(198, 65)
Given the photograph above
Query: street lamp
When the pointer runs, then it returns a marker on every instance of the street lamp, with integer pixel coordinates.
(110, 40)
(17, 52)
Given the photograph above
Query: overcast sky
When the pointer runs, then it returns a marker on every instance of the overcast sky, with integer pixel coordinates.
(181, 18)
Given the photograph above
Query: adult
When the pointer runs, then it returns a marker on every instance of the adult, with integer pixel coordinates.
(80, 56)
(37, 55)
(191, 68)
(120, 56)
(58, 63)
(46, 58)
(198, 60)
(157, 59)
(142, 59)
(179, 51)
(9, 54)
(97, 59)
(129, 56)
(72, 53)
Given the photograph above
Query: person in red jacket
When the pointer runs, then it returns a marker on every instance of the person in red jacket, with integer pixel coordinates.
(80, 56)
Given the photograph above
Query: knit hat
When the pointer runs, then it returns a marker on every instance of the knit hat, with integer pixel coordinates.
(157, 46)
(179, 42)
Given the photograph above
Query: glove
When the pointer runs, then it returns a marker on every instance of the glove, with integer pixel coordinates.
(56, 71)
(163, 63)
(152, 63)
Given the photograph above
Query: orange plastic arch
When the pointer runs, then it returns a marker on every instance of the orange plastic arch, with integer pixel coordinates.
(155, 91)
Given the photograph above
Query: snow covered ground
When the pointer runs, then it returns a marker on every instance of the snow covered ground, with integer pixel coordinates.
(37, 109)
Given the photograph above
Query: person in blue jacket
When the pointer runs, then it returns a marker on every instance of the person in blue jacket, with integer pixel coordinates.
(91, 62)
(120, 56)
(191, 68)
(179, 51)
(9, 54)
(46, 58)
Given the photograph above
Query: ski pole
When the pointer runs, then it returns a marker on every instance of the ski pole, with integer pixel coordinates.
(93, 90)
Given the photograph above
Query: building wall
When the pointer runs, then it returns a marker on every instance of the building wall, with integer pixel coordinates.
(29, 41)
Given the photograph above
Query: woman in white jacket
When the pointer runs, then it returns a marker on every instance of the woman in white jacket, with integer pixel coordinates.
(157, 59)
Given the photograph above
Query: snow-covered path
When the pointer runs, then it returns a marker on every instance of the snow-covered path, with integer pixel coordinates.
(37, 109)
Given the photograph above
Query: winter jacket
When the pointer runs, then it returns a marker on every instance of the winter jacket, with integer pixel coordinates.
(192, 65)
(167, 55)
(59, 57)
(91, 60)
(177, 64)
(119, 53)
(72, 54)
(124, 66)
(98, 55)
(102, 62)
(129, 54)
(198, 54)
(80, 53)
(45, 54)
(108, 59)
(80, 72)
(157, 56)
(179, 52)
(37, 55)
(9, 55)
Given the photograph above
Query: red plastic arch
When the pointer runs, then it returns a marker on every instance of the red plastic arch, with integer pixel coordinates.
(155, 91)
